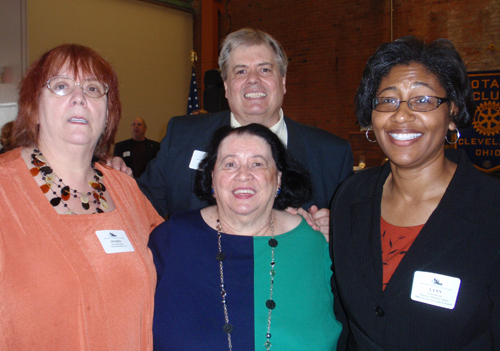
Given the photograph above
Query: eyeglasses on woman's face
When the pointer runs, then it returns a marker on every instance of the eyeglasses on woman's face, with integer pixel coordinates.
(62, 85)
(417, 103)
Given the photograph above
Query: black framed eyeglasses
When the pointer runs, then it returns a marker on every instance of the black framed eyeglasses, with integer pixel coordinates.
(62, 85)
(417, 103)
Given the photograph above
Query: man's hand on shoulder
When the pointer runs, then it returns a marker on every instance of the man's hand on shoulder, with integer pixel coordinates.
(118, 164)
(318, 219)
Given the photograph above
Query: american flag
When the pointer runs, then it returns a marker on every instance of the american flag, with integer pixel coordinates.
(193, 95)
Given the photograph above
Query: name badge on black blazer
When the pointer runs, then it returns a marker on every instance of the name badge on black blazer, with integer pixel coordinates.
(435, 289)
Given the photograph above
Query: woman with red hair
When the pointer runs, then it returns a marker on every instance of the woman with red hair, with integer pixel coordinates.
(75, 270)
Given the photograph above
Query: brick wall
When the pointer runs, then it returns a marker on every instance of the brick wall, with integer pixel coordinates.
(329, 41)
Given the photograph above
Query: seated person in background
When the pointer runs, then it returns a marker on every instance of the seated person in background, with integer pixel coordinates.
(138, 151)
(75, 269)
(416, 243)
(5, 137)
(243, 272)
(253, 66)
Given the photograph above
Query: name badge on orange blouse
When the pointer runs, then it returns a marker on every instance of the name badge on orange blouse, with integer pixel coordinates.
(435, 289)
(114, 241)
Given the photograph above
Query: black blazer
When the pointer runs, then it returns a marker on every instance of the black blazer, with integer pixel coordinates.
(152, 147)
(168, 181)
(461, 239)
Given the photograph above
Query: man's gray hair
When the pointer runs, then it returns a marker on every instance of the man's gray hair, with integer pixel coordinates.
(249, 37)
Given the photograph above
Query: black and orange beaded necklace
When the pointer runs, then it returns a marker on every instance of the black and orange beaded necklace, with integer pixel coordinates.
(53, 183)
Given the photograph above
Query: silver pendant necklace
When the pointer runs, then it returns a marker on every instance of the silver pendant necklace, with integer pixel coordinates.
(270, 304)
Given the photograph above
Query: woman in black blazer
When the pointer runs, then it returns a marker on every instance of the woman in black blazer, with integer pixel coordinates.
(415, 243)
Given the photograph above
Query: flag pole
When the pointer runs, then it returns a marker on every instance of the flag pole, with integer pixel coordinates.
(193, 103)
(193, 57)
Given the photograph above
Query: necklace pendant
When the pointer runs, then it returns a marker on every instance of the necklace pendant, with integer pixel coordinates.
(46, 170)
(227, 328)
(270, 304)
(221, 256)
(65, 195)
(34, 171)
(55, 201)
(40, 158)
(98, 173)
(45, 188)
(273, 242)
(103, 203)
(49, 178)
(95, 185)
(84, 198)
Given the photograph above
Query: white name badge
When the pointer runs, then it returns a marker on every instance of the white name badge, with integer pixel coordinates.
(196, 159)
(435, 289)
(114, 241)
(126, 154)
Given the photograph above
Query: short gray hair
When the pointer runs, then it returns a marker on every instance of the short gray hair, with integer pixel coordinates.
(249, 37)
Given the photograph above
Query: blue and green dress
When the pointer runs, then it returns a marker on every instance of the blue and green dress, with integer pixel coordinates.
(188, 305)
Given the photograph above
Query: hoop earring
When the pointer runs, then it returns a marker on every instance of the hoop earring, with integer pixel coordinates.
(368, 136)
(458, 137)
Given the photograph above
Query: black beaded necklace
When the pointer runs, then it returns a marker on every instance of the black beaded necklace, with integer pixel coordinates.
(270, 304)
(49, 177)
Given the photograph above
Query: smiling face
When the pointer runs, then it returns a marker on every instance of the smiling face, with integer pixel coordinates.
(75, 118)
(407, 137)
(245, 178)
(254, 86)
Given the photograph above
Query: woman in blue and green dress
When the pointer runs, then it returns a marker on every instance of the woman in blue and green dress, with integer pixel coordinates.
(244, 274)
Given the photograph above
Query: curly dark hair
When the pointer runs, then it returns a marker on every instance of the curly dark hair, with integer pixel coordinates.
(296, 186)
(440, 58)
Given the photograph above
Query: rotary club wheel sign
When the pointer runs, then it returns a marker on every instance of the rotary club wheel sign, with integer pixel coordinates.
(481, 142)
(487, 118)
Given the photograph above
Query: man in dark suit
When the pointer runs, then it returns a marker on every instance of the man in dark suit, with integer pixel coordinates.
(253, 67)
(139, 150)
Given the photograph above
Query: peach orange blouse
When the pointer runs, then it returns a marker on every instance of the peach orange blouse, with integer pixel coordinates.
(59, 289)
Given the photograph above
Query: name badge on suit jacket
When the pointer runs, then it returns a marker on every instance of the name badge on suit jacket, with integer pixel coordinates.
(197, 157)
(435, 289)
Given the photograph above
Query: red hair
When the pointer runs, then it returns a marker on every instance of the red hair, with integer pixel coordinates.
(80, 59)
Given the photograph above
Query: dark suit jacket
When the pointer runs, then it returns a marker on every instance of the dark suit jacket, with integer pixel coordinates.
(168, 180)
(461, 239)
(152, 147)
